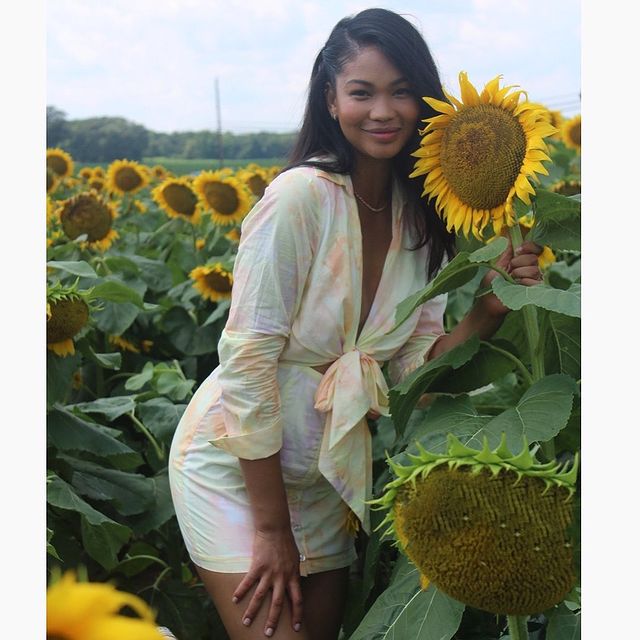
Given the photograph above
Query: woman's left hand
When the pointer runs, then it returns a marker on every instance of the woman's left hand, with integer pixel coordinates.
(521, 265)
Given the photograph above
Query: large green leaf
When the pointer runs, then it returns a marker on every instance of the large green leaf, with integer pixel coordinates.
(403, 397)
(516, 296)
(154, 272)
(161, 417)
(67, 432)
(541, 413)
(111, 408)
(564, 624)
(104, 360)
(404, 611)
(562, 349)
(130, 493)
(60, 376)
(116, 291)
(557, 221)
(162, 510)
(137, 381)
(490, 251)
(115, 318)
(187, 336)
(76, 268)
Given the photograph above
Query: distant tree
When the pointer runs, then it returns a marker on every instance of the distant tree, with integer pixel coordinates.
(57, 127)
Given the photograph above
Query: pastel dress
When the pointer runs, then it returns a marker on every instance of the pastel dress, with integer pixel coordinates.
(296, 302)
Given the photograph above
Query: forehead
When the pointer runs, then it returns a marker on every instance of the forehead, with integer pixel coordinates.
(371, 65)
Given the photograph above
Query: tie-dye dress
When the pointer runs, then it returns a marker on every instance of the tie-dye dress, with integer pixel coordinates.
(295, 305)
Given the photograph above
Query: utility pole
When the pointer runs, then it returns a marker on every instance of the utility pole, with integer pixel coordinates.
(220, 150)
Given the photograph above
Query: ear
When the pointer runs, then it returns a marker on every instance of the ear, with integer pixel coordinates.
(330, 95)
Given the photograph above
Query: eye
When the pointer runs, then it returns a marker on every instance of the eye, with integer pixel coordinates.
(359, 93)
(404, 91)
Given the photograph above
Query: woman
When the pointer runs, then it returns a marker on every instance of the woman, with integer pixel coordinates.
(336, 242)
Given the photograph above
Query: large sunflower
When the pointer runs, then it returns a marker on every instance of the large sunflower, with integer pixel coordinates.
(126, 176)
(224, 195)
(60, 162)
(87, 214)
(90, 611)
(177, 197)
(572, 132)
(213, 281)
(486, 527)
(479, 154)
(67, 314)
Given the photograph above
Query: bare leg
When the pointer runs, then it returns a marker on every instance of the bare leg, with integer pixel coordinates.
(325, 596)
(221, 586)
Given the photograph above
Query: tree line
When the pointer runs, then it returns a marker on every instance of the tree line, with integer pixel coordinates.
(104, 139)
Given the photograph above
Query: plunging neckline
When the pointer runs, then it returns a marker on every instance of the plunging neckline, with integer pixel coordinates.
(359, 331)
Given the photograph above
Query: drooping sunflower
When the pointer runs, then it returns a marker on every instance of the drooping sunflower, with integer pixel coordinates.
(479, 153)
(572, 132)
(177, 197)
(126, 176)
(90, 611)
(486, 527)
(67, 314)
(60, 162)
(225, 196)
(213, 281)
(88, 214)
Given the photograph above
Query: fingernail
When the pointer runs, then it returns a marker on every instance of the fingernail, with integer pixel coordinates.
(269, 632)
(234, 600)
(246, 622)
(518, 250)
(296, 626)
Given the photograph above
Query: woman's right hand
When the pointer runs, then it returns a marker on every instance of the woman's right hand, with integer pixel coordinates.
(275, 567)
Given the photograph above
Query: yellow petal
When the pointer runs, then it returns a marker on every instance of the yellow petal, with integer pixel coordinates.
(468, 92)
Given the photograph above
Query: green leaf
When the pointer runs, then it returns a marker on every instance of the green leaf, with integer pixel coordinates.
(60, 376)
(67, 432)
(136, 382)
(131, 493)
(76, 268)
(115, 318)
(115, 291)
(541, 413)
(111, 408)
(458, 272)
(104, 360)
(404, 611)
(221, 308)
(563, 624)
(187, 336)
(161, 417)
(122, 264)
(562, 349)
(173, 385)
(490, 251)
(557, 221)
(403, 397)
(154, 272)
(516, 296)
(139, 556)
(161, 511)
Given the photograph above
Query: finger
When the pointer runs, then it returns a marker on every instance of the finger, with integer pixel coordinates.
(256, 601)
(245, 584)
(529, 247)
(528, 282)
(524, 260)
(277, 602)
(532, 273)
(295, 595)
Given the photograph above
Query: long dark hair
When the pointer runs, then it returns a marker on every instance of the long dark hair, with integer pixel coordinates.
(406, 49)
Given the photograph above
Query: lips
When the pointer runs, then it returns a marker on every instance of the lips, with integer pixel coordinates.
(384, 135)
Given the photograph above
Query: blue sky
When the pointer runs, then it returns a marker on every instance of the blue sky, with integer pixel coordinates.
(155, 61)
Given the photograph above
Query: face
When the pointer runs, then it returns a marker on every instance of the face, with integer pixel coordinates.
(376, 108)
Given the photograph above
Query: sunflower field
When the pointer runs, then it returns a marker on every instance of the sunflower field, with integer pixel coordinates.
(476, 486)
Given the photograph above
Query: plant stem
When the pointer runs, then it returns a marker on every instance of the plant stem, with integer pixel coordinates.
(518, 627)
(514, 359)
(148, 434)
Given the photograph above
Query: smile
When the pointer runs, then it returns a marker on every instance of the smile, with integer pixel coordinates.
(383, 134)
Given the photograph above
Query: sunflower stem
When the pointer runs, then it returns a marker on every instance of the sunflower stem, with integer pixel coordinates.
(514, 359)
(518, 627)
(148, 435)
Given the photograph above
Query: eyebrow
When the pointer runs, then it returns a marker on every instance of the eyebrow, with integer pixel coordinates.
(370, 84)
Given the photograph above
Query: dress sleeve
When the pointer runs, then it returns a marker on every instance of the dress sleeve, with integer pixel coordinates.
(412, 354)
(270, 271)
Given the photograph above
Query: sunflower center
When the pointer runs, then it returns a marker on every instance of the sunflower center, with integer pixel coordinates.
(221, 197)
(67, 318)
(575, 134)
(482, 152)
(57, 164)
(488, 541)
(86, 214)
(257, 185)
(218, 282)
(180, 198)
(127, 179)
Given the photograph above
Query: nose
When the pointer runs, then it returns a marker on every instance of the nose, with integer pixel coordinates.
(381, 109)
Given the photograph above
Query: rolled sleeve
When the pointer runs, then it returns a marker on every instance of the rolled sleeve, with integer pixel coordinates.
(270, 272)
(415, 351)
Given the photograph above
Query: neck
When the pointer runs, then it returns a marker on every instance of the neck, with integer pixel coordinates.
(372, 180)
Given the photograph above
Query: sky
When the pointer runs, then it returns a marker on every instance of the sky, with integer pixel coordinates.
(156, 62)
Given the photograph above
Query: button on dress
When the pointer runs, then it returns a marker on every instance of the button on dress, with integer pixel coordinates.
(296, 303)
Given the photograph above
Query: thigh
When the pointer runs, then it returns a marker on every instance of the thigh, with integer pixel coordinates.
(324, 598)
(221, 586)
